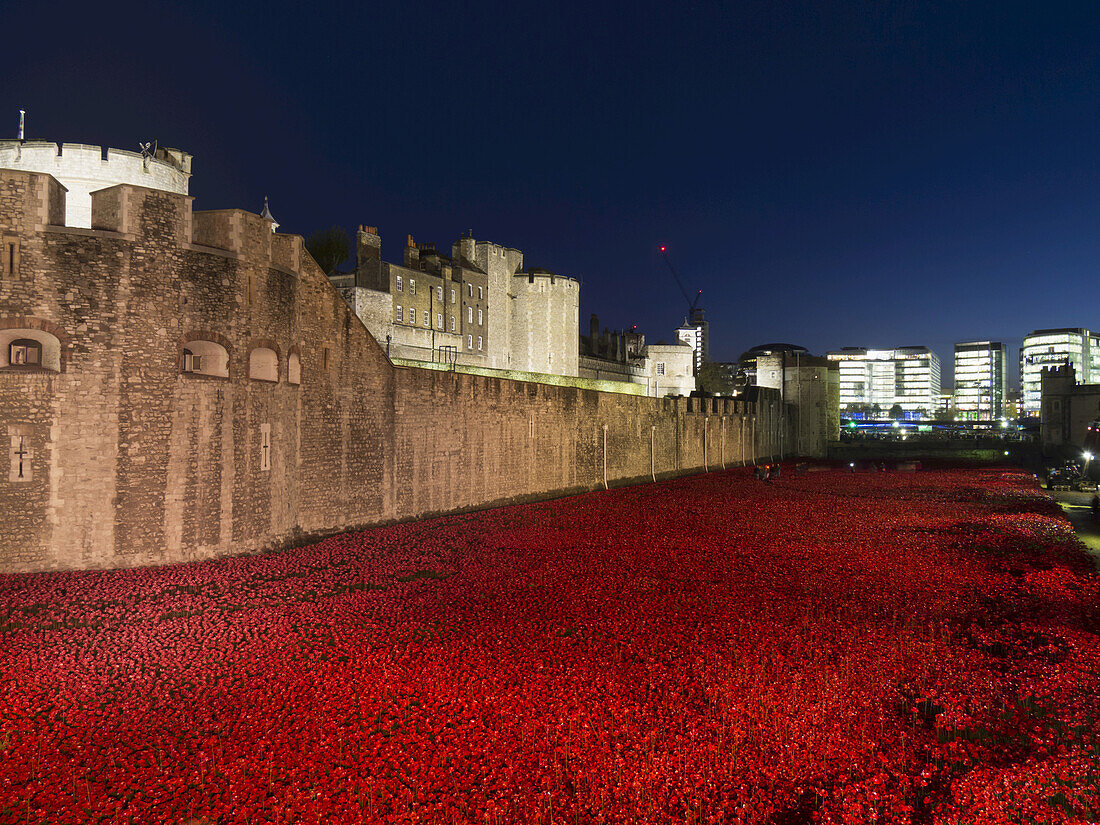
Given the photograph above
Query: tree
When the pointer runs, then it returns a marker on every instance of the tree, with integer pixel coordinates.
(716, 377)
(329, 248)
(896, 412)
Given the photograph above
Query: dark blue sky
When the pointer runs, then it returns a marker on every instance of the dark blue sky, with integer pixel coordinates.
(831, 174)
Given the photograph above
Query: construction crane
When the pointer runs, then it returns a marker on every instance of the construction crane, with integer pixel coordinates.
(693, 306)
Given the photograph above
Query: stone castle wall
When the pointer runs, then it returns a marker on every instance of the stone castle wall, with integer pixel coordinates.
(82, 169)
(118, 457)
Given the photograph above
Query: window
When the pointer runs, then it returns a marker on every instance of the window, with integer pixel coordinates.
(452, 323)
(21, 452)
(412, 286)
(205, 358)
(9, 256)
(293, 369)
(469, 314)
(479, 317)
(480, 294)
(439, 320)
(24, 352)
(452, 295)
(479, 342)
(470, 290)
(439, 293)
(265, 446)
(469, 342)
(660, 367)
(426, 317)
(263, 364)
(30, 349)
(400, 284)
(399, 318)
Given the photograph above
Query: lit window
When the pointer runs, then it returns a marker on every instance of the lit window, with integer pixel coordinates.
(469, 315)
(470, 290)
(400, 285)
(427, 322)
(399, 318)
(412, 286)
(480, 293)
(479, 342)
(25, 352)
(479, 318)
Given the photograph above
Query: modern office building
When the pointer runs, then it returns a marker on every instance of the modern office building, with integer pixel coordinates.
(877, 383)
(1045, 348)
(980, 381)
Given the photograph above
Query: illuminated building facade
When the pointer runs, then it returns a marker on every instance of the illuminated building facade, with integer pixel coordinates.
(694, 333)
(1046, 348)
(980, 381)
(873, 382)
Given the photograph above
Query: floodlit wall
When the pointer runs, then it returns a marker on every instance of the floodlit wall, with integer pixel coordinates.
(121, 453)
(84, 169)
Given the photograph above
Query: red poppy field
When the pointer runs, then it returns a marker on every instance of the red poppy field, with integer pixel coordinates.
(830, 647)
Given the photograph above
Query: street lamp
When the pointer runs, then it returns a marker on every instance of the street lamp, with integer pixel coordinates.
(1085, 471)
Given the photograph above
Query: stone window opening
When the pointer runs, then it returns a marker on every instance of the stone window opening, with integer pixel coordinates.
(200, 357)
(469, 314)
(469, 342)
(265, 446)
(412, 286)
(452, 323)
(470, 290)
(293, 369)
(9, 265)
(480, 318)
(439, 320)
(479, 342)
(660, 367)
(480, 293)
(29, 349)
(452, 295)
(427, 319)
(439, 293)
(263, 364)
(400, 284)
(325, 358)
(21, 455)
(400, 318)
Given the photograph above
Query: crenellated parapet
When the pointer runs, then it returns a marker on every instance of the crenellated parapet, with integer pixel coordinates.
(83, 169)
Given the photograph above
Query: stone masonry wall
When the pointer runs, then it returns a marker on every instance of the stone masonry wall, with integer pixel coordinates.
(130, 461)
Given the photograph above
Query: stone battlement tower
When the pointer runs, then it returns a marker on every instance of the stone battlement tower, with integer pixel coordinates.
(83, 169)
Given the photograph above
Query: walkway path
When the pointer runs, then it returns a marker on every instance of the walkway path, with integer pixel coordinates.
(1077, 510)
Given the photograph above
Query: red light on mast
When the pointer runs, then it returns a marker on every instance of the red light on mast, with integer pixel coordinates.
(662, 249)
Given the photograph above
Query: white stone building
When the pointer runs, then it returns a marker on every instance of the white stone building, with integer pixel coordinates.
(84, 169)
(479, 307)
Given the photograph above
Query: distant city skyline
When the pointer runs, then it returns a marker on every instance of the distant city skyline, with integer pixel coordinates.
(830, 174)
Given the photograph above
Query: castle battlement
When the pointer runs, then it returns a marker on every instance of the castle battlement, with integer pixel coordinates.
(83, 169)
